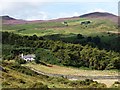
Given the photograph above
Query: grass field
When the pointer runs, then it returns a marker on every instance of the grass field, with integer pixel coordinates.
(47, 28)
(97, 27)
(71, 71)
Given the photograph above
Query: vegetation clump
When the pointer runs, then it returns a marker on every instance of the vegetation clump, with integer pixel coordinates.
(58, 52)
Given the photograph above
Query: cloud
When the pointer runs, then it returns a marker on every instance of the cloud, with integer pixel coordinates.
(101, 10)
(76, 14)
(63, 14)
(39, 9)
(60, 0)
(5, 6)
(95, 10)
(98, 10)
(15, 6)
(23, 10)
(38, 16)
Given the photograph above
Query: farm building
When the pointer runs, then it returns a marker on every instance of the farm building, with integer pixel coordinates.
(29, 57)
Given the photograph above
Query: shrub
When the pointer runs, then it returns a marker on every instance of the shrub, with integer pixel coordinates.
(20, 61)
(21, 81)
(117, 82)
(80, 36)
(39, 85)
(5, 83)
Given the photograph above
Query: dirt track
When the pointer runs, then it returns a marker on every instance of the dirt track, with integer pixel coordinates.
(76, 76)
(108, 80)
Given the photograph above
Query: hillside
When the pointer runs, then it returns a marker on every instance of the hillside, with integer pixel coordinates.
(87, 45)
(7, 18)
(16, 76)
(106, 31)
(58, 27)
(98, 14)
(11, 21)
(102, 15)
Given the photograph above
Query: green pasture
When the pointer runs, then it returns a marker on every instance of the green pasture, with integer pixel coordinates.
(48, 28)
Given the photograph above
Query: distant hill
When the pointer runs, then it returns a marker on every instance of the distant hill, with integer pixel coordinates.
(7, 18)
(100, 15)
(10, 20)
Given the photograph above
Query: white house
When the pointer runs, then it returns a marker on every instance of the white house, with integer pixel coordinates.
(29, 57)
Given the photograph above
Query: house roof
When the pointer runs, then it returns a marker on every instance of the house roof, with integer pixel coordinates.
(29, 56)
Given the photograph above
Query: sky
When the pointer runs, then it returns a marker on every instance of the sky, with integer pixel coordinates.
(53, 9)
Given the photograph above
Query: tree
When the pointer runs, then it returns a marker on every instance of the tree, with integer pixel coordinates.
(116, 62)
(38, 56)
(96, 40)
(59, 52)
(39, 85)
(34, 37)
(65, 23)
(80, 36)
(20, 61)
(89, 39)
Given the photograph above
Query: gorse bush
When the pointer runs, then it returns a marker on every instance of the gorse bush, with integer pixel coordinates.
(22, 77)
(20, 61)
(21, 69)
(87, 83)
(39, 85)
(58, 52)
(45, 56)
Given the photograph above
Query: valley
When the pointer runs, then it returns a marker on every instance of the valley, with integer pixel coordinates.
(75, 52)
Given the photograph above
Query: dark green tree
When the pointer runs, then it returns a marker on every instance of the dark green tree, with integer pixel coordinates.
(80, 36)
